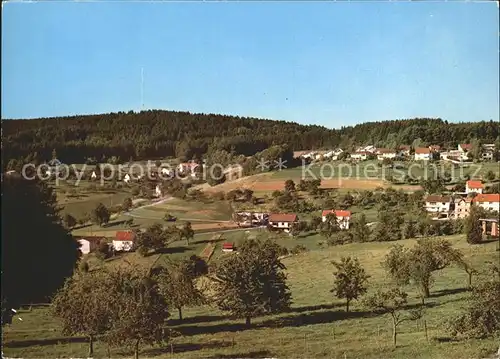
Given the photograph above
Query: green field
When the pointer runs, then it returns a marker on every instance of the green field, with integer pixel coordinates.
(316, 327)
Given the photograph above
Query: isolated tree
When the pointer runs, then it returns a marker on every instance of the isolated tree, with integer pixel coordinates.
(473, 230)
(82, 305)
(100, 215)
(139, 310)
(330, 226)
(153, 238)
(127, 204)
(187, 232)
(350, 280)
(417, 264)
(51, 260)
(289, 185)
(467, 268)
(482, 316)
(253, 282)
(69, 221)
(176, 284)
(392, 302)
(361, 231)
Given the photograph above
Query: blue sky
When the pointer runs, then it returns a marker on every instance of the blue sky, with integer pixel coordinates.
(331, 64)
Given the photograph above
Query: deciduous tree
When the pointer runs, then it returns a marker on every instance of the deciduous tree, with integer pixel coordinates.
(252, 283)
(350, 280)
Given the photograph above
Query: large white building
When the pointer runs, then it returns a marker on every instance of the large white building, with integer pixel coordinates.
(438, 204)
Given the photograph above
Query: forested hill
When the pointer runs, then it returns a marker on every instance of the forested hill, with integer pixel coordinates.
(158, 134)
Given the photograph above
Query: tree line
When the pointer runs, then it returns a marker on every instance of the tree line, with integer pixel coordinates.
(160, 134)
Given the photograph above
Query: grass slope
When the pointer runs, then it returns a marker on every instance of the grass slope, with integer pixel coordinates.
(316, 327)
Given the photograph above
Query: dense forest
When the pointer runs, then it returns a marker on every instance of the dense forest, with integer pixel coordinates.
(161, 134)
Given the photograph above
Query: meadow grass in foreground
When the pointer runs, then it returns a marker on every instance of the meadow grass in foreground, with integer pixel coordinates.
(316, 327)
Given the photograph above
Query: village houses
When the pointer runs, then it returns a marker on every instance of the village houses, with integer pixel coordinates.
(343, 217)
(282, 221)
(464, 147)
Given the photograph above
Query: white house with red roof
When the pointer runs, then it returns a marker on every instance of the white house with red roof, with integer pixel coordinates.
(124, 241)
(343, 217)
(422, 154)
(282, 221)
(474, 187)
(490, 202)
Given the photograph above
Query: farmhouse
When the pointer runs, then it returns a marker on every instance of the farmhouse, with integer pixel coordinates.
(369, 148)
(282, 221)
(422, 154)
(385, 153)
(334, 154)
(124, 241)
(343, 217)
(489, 202)
(474, 187)
(435, 148)
(438, 204)
(88, 244)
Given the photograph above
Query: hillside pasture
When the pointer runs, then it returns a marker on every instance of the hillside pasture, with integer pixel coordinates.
(317, 326)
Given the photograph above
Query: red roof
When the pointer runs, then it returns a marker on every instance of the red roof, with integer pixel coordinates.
(493, 197)
(466, 146)
(474, 184)
(282, 217)
(228, 246)
(404, 147)
(338, 212)
(124, 236)
(422, 150)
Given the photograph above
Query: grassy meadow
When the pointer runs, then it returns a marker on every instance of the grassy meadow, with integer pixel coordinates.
(317, 326)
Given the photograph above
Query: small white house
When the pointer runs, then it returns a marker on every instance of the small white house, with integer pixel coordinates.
(343, 217)
(422, 154)
(282, 221)
(158, 191)
(124, 241)
(93, 175)
(126, 179)
(474, 187)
